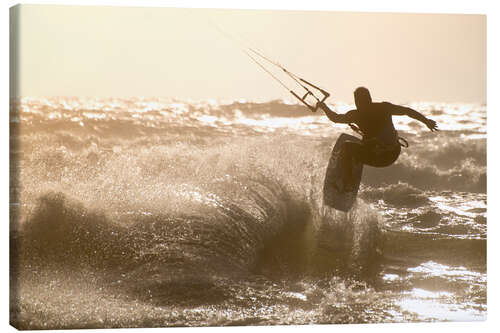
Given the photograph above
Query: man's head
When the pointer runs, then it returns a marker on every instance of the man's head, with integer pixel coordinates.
(362, 98)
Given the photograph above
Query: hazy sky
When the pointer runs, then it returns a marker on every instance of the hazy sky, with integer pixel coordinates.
(125, 51)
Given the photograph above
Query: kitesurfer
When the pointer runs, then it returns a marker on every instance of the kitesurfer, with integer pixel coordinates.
(380, 145)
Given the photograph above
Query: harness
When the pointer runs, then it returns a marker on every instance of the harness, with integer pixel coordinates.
(401, 141)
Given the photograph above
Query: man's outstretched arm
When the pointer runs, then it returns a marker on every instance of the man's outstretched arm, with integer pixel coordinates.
(346, 118)
(398, 110)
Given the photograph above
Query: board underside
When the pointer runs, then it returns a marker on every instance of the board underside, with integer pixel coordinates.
(334, 194)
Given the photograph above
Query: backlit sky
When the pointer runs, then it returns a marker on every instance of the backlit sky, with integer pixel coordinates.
(125, 51)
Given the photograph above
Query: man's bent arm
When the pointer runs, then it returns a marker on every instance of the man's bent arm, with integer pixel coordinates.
(335, 117)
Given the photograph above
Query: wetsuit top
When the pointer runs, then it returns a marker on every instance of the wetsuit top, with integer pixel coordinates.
(376, 122)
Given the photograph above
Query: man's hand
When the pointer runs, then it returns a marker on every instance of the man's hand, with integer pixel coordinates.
(431, 124)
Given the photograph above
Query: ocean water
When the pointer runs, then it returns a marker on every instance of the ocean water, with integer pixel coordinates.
(158, 212)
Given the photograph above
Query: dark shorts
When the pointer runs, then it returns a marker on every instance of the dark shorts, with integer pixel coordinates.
(373, 154)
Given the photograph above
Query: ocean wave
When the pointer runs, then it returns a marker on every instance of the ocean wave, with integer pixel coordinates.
(446, 152)
(159, 213)
(412, 248)
(400, 194)
(225, 229)
(465, 176)
(138, 117)
(252, 192)
(455, 165)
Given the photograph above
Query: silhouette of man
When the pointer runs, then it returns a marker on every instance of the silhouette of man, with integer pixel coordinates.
(380, 145)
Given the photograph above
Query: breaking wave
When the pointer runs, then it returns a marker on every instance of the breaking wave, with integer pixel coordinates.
(187, 204)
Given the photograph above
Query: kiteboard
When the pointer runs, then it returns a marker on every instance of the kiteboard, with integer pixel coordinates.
(335, 194)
